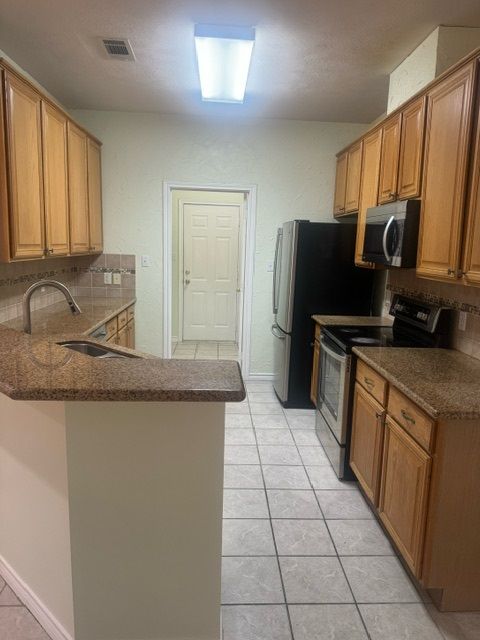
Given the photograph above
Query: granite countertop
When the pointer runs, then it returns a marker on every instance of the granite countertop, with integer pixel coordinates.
(361, 321)
(34, 367)
(443, 382)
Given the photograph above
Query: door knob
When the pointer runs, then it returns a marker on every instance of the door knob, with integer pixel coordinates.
(187, 282)
(187, 272)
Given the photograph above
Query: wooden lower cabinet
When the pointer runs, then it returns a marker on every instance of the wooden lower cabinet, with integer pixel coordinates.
(367, 441)
(404, 493)
(131, 334)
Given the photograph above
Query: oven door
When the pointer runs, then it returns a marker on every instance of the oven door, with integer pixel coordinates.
(333, 388)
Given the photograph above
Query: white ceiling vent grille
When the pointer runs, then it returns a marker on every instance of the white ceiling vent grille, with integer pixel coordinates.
(119, 48)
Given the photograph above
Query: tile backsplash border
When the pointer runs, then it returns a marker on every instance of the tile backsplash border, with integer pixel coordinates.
(434, 298)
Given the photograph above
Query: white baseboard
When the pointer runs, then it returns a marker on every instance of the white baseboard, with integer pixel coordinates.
(33, 603)
(258, 377)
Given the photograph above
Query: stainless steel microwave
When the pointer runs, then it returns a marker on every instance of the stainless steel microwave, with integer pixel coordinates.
(391, 234)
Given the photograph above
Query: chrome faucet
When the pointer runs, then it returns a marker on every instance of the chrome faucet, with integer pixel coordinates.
(27, 317)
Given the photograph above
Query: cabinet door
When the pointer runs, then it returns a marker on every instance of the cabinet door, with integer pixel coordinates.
(404, 493)
(354, 167)
(55, 174)
(316, 363)
(367, 440)
(78, 190)
(122, 337)
(24, 133)
(471, 255)
(340, 185)
(387, 191)
(411, 150)
(372, 144)
(131, 334)
(95, 196)
(448, 129)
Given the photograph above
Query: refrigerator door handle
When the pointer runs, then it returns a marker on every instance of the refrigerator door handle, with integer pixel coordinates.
(275, 267)
(277, 333)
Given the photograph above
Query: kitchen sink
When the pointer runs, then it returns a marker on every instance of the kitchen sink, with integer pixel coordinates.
(94, 350)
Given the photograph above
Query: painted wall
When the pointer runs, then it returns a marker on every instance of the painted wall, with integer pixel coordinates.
(416, 71)
(179, 196)
(291, 162)
(439, 51)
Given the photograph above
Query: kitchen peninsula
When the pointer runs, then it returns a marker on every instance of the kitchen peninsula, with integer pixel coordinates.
(112, 464)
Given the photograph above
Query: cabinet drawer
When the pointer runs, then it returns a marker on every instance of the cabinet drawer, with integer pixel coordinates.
(130, 313)
(111, 327)
(122, 319)
(372, 382)
(411, 418)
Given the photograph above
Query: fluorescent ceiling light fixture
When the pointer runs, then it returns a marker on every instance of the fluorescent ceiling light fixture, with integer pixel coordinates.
(223, 56)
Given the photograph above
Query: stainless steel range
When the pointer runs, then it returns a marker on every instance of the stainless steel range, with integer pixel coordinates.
(416, 324)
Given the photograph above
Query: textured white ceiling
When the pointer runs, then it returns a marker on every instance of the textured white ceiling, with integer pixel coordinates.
(313, 60)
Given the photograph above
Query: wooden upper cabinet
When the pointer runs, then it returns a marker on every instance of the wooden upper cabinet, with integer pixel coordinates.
(340, 185)
(95, 196)
(387, 190)
(78, 190)
(471, 255)
(372, 144)
(367, 441)
(411, 150)
(354, 167)
(404, 493)
(55, 172)
(24, 157)
(448, 129)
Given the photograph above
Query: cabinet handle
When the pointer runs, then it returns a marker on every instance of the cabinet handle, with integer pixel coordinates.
(379, 416)
(392, 194)
(369, 382)
(407, 416)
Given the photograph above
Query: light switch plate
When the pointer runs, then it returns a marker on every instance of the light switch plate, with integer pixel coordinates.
(269, 267)
(107, 278)
(117, 278)
(146, 261)
(462, 320)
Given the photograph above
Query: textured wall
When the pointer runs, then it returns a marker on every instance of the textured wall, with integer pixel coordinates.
(291, 162)
(416, 71)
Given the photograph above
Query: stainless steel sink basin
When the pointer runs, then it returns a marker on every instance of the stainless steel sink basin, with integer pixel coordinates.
(94, 350)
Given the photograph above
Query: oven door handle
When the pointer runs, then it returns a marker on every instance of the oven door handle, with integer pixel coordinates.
(336, 356)
(384, 239)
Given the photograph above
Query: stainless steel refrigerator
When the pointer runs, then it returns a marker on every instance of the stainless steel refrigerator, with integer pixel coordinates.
(314, 273)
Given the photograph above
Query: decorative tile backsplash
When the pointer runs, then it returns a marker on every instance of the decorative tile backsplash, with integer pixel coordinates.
(455, 296)
(83, 275)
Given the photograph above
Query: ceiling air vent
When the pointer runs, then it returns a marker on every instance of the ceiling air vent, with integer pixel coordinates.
(119, 48)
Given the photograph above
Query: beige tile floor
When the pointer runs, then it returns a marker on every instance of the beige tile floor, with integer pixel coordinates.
(205, 351)
(303, 556)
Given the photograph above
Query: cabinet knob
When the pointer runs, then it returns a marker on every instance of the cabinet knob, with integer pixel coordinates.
(392, 194)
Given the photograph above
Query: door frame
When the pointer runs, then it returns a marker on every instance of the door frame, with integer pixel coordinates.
(248, 253)
(240, 263)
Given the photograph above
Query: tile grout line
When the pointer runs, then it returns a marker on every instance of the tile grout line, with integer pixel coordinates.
(273, 535)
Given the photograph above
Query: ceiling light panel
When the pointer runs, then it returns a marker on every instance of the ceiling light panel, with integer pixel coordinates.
(223, 55)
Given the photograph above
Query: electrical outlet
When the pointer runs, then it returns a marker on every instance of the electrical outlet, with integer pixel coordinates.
(117, 278)
(146, 261)
(462, 320)
(107, 278)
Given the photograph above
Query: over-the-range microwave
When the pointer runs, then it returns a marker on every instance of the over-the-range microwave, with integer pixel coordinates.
(391, 234)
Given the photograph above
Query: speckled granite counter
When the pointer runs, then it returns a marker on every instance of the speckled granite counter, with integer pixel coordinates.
(373, 321)
(443, 382)
(36, 368)
(57, 318)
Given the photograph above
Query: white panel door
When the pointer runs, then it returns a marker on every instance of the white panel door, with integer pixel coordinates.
(210, 263)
